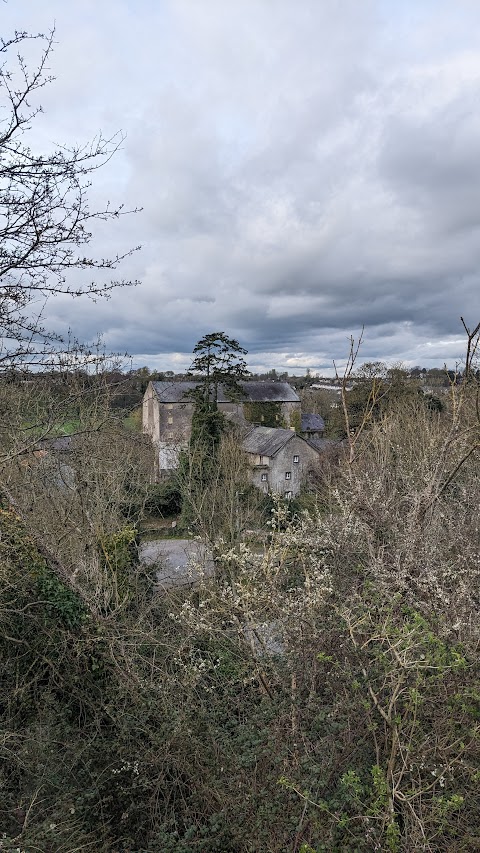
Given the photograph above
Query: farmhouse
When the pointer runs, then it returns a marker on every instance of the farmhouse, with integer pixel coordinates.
(279, 459)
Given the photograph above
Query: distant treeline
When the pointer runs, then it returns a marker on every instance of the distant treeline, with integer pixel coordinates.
(127, 387)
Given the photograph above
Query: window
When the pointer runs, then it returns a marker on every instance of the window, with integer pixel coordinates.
(288, 496)
(263, 478)
(170, 420)
(262, 418)
(169, 405)
(288, 475)
(296, 459)
(169, 434)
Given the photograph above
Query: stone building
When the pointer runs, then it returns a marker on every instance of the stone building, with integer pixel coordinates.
(280, 460)
(276, 434)
(168, 409)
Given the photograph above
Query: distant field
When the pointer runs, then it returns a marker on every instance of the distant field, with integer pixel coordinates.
(132, 423)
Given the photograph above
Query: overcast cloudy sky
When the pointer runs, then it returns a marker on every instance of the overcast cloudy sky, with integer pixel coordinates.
(305, 167)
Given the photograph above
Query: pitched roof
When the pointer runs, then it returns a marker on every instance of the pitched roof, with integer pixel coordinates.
(312, 423)
(173, 392)
(267, 441)
(323, 443)
(267, 390)
(254, 391)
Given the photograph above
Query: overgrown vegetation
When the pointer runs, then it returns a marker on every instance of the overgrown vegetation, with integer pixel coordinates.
(266, 413)
(320, 692)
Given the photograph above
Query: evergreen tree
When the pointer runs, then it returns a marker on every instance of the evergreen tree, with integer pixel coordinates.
(218, 361)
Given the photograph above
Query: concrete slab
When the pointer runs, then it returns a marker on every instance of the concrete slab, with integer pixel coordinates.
(177, 560)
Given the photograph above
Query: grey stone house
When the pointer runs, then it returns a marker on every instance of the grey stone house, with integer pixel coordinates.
(280, 459)
(168, 409)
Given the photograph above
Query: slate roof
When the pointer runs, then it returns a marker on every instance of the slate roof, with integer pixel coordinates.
(173, 392)
(268, 390)
(260, 391)
(267, 441)
(312, 423)
(323, 443)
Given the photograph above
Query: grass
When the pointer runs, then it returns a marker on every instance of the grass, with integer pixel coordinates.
(132, 423)
(67, 428)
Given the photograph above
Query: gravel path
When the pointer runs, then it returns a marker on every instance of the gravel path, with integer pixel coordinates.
(176, 560)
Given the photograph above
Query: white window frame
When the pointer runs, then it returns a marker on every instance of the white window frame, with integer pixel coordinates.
(296, 458)
(263, 478)
(288, 475)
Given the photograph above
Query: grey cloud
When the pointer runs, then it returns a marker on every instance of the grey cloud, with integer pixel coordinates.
(433, 165)
(301, 173)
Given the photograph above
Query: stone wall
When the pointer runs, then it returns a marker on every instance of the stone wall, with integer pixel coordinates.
(276, 468)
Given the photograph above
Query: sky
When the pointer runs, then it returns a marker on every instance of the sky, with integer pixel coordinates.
(304, 169)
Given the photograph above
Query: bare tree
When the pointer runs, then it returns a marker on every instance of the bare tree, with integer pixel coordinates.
(46, 224)
(45, 217)
(78, 496)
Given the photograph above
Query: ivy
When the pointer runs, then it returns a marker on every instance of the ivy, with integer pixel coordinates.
(267, 414)
(296, 420)
(59, 600)
(118, 555)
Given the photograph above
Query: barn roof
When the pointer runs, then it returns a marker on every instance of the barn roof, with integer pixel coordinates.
(267, 390)
(254, 391)
(173, 392)
(267, 441)
(321, 444)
